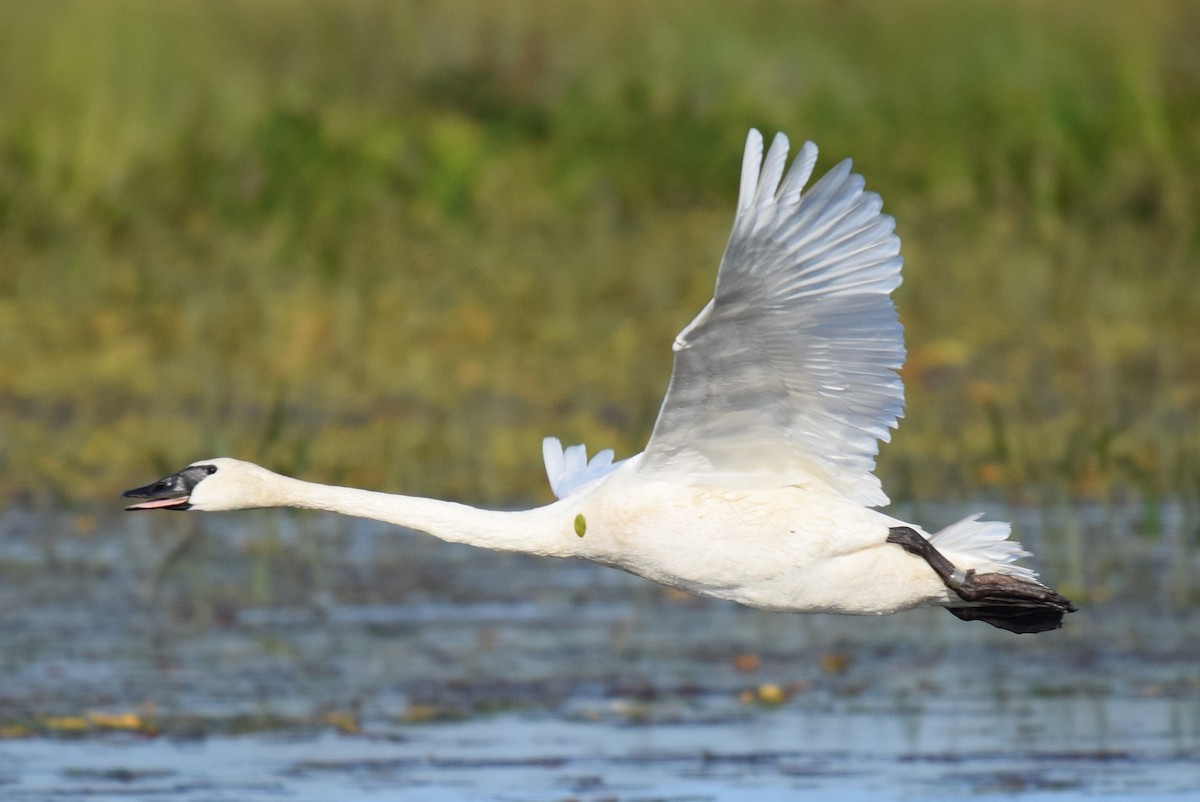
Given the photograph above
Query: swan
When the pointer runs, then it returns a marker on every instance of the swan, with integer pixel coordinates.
(757, 484)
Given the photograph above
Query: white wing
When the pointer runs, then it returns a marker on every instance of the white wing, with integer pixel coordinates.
(789, 373)
(568, 469)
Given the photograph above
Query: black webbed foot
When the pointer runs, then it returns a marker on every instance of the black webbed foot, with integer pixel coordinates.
(1021, 620)
(1002, 600)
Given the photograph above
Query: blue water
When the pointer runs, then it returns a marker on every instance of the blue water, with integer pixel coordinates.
(248, 640)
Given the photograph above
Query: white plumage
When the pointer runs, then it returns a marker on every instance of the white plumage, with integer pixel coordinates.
(789, 374)
(757, 482)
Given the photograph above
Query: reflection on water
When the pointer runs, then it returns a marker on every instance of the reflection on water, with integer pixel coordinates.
(279, 656)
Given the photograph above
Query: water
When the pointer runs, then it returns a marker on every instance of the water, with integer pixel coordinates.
(271, 656)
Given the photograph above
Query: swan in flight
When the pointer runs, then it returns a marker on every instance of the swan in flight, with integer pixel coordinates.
(757, 484)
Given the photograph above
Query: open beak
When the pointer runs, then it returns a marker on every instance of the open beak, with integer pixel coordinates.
(180, 503)
(170, 493)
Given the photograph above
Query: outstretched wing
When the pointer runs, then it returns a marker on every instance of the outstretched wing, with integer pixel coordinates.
(789, 373)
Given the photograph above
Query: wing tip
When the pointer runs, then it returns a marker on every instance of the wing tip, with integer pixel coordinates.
(569, 469)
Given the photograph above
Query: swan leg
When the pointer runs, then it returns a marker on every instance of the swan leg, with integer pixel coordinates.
(1002, 600)
(913, 542)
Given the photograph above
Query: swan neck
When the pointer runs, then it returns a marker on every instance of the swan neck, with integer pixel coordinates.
(536, 531)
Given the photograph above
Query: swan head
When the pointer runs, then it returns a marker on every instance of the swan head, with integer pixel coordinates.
(209, 485)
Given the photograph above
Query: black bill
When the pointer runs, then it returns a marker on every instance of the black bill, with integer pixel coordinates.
(171, 492)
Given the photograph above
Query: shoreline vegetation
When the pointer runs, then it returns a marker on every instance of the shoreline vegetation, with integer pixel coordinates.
(394, 245)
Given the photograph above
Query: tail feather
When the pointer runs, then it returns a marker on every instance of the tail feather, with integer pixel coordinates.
(984, 546)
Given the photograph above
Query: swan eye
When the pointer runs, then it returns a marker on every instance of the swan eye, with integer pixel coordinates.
(210, 469)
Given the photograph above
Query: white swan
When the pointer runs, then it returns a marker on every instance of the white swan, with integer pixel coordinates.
(757, 482)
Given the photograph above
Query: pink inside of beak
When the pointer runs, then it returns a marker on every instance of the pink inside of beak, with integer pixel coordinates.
(158, 502)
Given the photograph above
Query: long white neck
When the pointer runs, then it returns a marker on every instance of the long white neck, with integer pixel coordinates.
(545, 531)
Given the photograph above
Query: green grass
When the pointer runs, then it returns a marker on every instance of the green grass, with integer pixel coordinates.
(395, 244)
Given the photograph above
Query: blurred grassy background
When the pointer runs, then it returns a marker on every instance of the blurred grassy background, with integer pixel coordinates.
(395, 244)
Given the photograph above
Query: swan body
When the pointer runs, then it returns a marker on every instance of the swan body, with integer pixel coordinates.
(757, 485)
